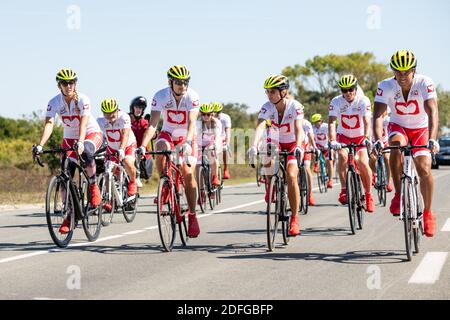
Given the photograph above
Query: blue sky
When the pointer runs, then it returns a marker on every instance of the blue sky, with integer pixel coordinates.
(124, 48)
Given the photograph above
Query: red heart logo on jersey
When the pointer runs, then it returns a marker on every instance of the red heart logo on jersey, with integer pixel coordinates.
(321, 136)
(71, 121)
(350, 122)
(176, 117)
(406, 109)
(113, 135)
(283, 128)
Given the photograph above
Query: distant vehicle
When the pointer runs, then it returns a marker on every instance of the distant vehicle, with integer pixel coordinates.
(443, 157)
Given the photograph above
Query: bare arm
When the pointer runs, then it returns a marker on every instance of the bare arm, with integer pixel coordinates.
(191, 125)
(332, 127)
(259, 131)
(431, 108)
(150, 131)
(379, 111)
(48, 129)
(228, 133)
(299, 132)
(125, 136)
(367, 127)
(83, 127)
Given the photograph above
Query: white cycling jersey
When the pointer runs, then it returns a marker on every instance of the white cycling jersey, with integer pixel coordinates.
(113, 131)
(282, 131)
(307, 128)
(226, 123)
(410, 114)
(175, 118)
(321, 135)
(71, 115)
(208, 136)
(350, 115)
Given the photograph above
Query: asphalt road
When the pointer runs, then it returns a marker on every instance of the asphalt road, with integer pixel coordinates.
(230, 260)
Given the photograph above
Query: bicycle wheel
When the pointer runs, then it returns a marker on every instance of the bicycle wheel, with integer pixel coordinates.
(272, 212)
(130, 203)
(210, 193)
(59, 206)
(219, 188)
(107, 198)
(92, 216)
(407, 207)
(381, 181)
(284, 217)
(320, 182)
(258, 172)
(304, 190)
(351, 201)
(166, 215)
(418, 228)
(359, 198)
(181, 218)
(201, 187)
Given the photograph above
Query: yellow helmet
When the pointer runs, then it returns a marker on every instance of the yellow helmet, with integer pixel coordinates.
(403, 60)
(206, 108)
(347, 81)
(109, 105)
(277, 81)
(66, 74)
(217, 106)
(179, 72)
(316, 117)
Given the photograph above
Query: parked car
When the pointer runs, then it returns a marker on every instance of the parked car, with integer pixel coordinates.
(443, 157)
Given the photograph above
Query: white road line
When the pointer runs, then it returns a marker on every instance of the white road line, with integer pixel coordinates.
(24, 256)
(429, 268)
(133, 232)
(446, 226)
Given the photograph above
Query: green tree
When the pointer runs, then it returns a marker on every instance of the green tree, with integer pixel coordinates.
(315, 81)
(240, 118)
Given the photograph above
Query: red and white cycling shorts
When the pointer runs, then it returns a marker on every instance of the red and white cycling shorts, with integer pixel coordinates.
(417, 137)
(130, 152)
(346, 140)
(96, 138)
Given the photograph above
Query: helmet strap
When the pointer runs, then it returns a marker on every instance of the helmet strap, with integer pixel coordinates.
(282, 97)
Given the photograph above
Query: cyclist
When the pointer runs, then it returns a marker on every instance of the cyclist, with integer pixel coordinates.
(320, 129)
(226, 135)
(385, 143)
(414, 119)
(209, 136)
(353, 112)
(138, 125)
(179, 106)
(116, 127)
(81, 131)
(286, 117)
(308, 145)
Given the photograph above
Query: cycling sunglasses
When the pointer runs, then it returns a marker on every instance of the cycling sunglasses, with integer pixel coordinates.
(179, 82)
(347, 90)
(66, 83)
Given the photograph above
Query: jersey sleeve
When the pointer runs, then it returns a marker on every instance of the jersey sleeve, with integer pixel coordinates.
(84, 104)
(101, 123)
(366, 107)
(157, 102)
(333, 109)
(299, 111)
(264, 113)
(126, 121)
(428, 89)
(51, 109)
(382, 92)
(227, 122)
(194, 104)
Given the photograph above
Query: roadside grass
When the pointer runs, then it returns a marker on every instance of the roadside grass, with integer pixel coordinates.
(28, 186)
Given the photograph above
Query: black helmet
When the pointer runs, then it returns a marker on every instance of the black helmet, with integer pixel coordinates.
(138, 101)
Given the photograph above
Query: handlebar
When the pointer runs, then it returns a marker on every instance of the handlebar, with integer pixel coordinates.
(408, 147)
(165, 153)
